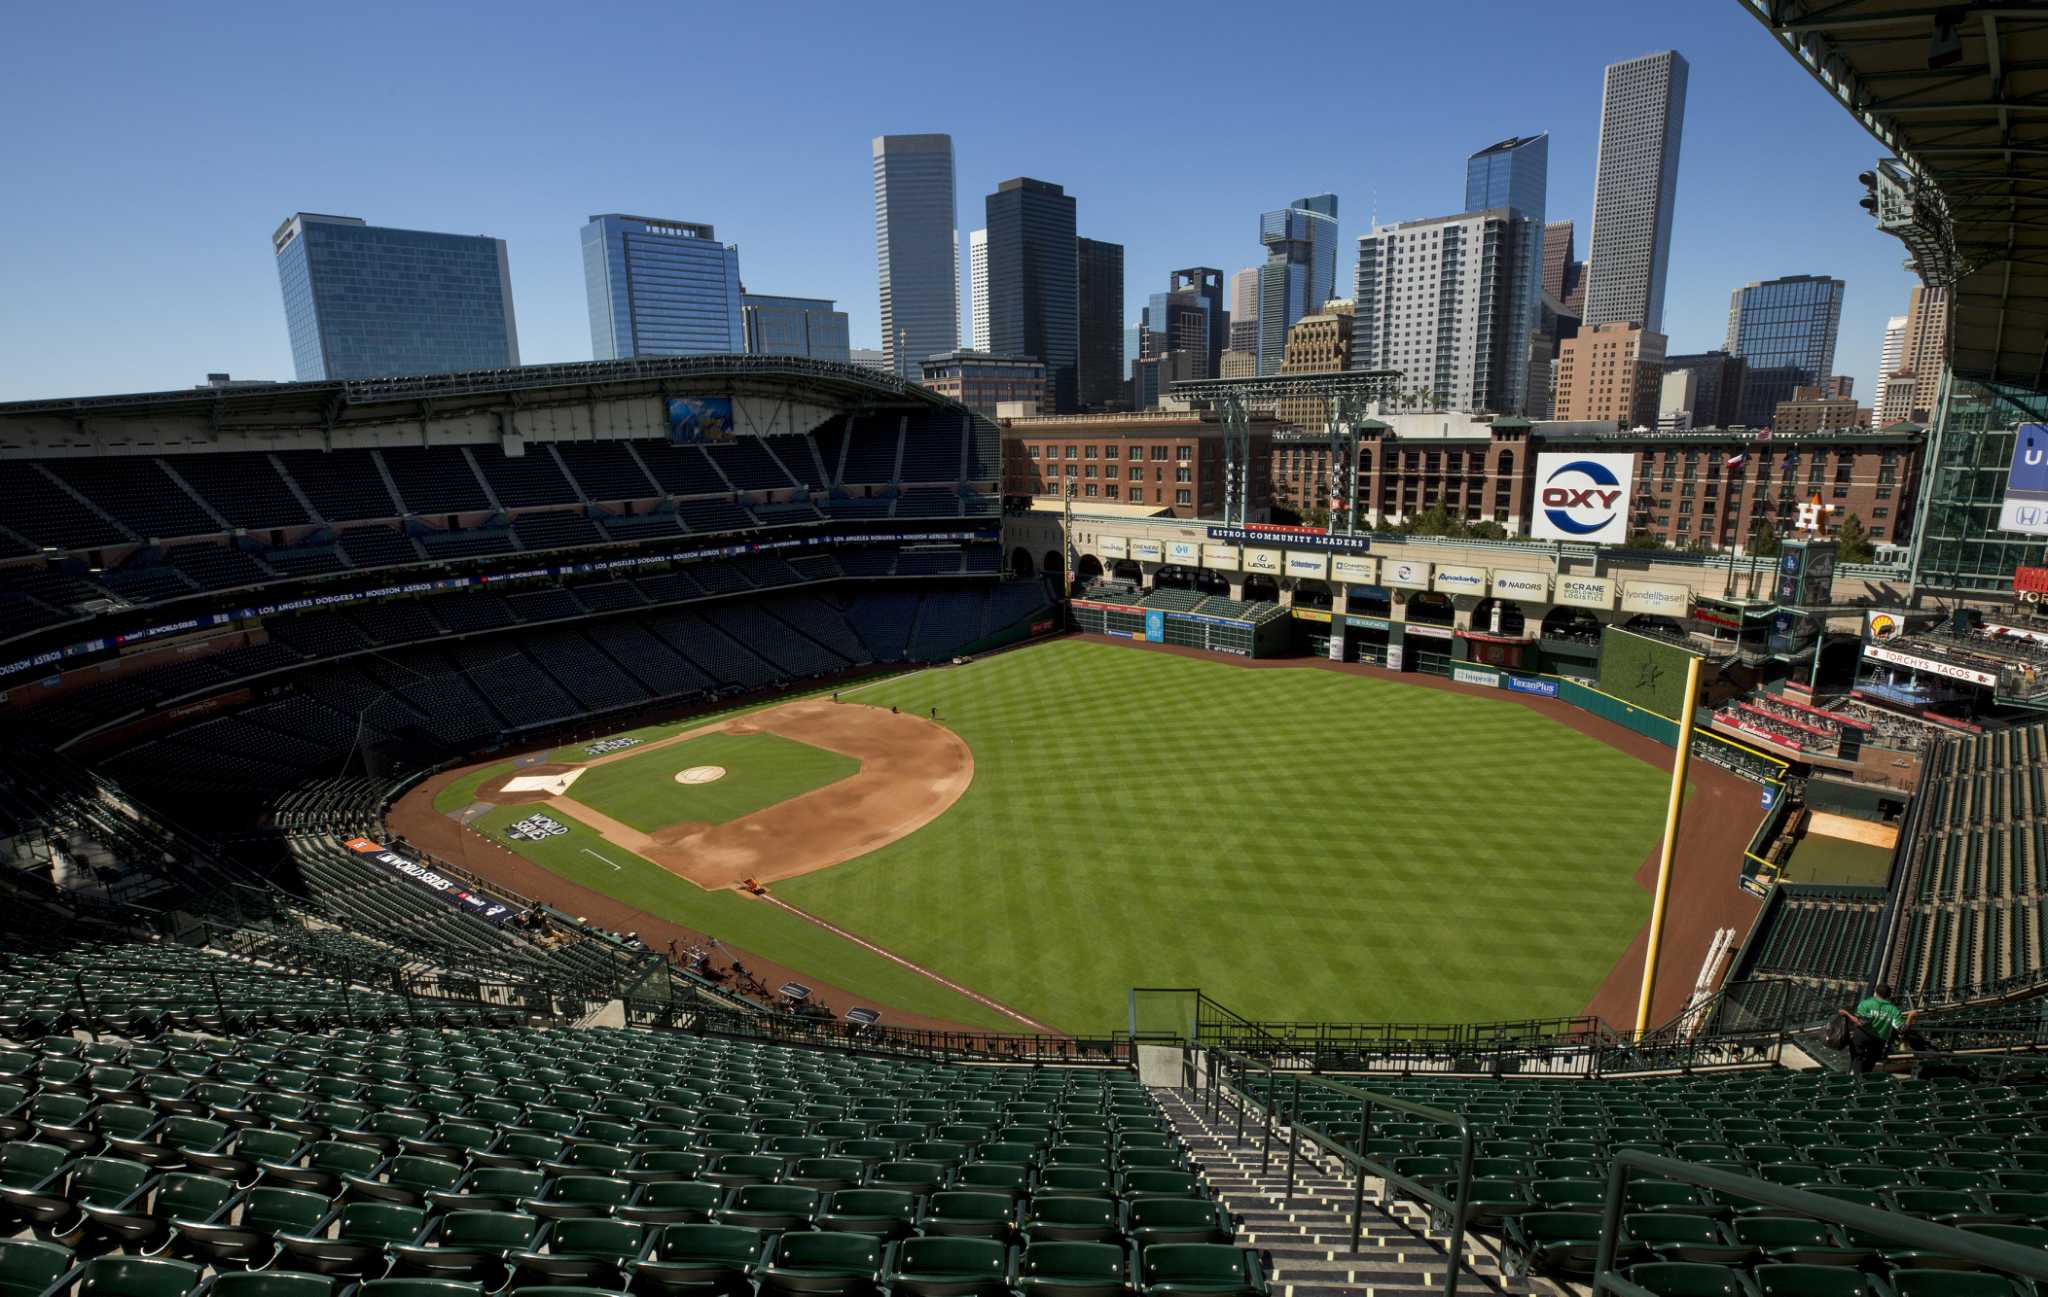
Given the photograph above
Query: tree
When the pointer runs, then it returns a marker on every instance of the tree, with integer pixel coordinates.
(1763, 539)
(1644, 538)
(1852, 542)
(1486, 530)
(1436, 521)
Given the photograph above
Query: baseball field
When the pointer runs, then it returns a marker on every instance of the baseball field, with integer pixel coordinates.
(1082, 818)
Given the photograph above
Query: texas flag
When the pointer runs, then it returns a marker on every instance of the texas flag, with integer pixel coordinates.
(1736, 460)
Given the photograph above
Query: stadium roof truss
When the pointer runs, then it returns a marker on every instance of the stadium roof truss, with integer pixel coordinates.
(373, 400)
(1959, 94)
(1348, 392)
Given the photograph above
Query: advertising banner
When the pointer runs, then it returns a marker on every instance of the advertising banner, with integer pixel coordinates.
(484, 906)
(1262, 560)
(1155, 625)
(1404, 574)
(1358, 569)
(1534, 586)
(1293, 538)
(1451, 579)
(1541, 688)
(1309, 614)
(1370, 623)
(1396, 658)
(1187, 553)
(1655, 597)
(1467, 676)
(1883, 625)
(1337, 646)
(1308, 565)
(1148, 551)
(1222, 558)
(699, 418)
(1585, 591)
(1582, 497)
(1112, 547)
(1929, 665)
(2025, 508)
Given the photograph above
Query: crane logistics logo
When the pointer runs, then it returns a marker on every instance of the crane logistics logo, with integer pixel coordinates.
(1583, 497)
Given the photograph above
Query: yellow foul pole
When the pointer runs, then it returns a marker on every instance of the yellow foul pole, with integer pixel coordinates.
(1669, 852)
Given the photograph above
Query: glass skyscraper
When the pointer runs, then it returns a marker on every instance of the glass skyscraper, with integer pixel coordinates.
(1514, 176)
(916, 249)
(795, 326)
(660, 288)
(1635, 189)
(368, 301)
(1300, 273)
(1034, 282)
(1784, 330)
(1099, 378)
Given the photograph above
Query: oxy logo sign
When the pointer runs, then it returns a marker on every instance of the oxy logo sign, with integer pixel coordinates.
(1582, 497)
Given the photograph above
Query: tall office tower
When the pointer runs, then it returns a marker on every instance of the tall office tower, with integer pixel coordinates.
(1635, 188)
(1177, 322)
(1893, 357)
(660, 288)
(1784, 329)
(1719, 381)
(369, 301)
(1300, 273)
(977, 289)
(1437, 300)
(1319, 343)
(1561, 274)
(916, 249)
(1099, 380)
(1612, 373)
(1033, 289)
(1514, 175)
(794, 326)
(1244, 310)
(1908, 391)
(1200, 288)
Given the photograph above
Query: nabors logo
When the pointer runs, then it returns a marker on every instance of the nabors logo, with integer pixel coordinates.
(1582, 497)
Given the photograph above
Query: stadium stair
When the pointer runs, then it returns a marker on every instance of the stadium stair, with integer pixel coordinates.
(1308, 1236)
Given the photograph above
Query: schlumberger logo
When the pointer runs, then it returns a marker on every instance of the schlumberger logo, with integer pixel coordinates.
(1581, 497)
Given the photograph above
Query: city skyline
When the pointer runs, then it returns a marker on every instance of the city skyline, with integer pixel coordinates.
(791, 188)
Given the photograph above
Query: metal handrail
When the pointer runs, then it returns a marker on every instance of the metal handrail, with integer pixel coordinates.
(2013, 1258)
(1360, 1161)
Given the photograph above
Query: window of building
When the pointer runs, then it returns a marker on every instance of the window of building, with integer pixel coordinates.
(1032, 451)
(1137, 494)
(1091, 489)
(1070, 452)
(1183, 453)
(1089, 471)
(1880, 512)
(1137, 474)
(1884, 493)
(1183, 497)
(1841, 493)
(1159, 474)
(1110, 490)
(1070, 470)
(1159, 452)
(1109, 452)
(1183, 474)
(1088, 452)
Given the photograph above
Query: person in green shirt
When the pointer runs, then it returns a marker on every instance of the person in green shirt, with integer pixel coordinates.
(1876, 1021)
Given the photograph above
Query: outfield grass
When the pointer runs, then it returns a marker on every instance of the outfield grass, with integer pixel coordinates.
(1298, 843)
(583, 856)
(761, 770)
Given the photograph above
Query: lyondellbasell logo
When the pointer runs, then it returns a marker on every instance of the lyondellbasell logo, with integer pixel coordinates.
(1582, 497)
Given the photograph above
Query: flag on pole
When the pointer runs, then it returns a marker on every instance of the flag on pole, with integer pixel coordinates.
(1736, 460)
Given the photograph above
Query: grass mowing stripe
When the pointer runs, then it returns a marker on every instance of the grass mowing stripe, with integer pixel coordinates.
(729, 917)
(761, 770)
(1302, 844)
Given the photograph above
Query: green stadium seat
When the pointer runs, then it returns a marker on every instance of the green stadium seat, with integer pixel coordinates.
(1070, 1218)
(1158, 1184)
(580, 1196)
(1209, 1269)
(1561, 1242)
(471, 1246)
(175, 1199)
(947, 1267)
(1093, 1181)
(584, 1251)
(30, 1267)
(1953, 1283)
(1067, 1269)
(133, 1276)
(958, 1213)
(994, 1178)
(360, 1245)
(769, 1206)
(1147, 1221)
(1797, 1240)
(320, 1167)
(889, 1213)
(272, 1283)
(825, 1264)
(1686, 1279)
(698, 1259)
(418, 1288)
(673, 1202)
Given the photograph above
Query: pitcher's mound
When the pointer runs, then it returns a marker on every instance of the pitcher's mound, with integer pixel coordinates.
(700, 775)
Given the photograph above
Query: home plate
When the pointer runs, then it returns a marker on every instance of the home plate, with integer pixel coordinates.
(700, 774)
(552, 785)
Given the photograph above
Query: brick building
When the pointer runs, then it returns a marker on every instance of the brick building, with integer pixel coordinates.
(1812, 409)
(1610, 373)
(981, 382)
(1171, 459)
(1687, 491)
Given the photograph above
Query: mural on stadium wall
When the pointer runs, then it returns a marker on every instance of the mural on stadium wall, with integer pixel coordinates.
(694, 419)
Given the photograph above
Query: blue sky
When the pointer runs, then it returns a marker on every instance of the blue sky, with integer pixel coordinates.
(151, 150)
